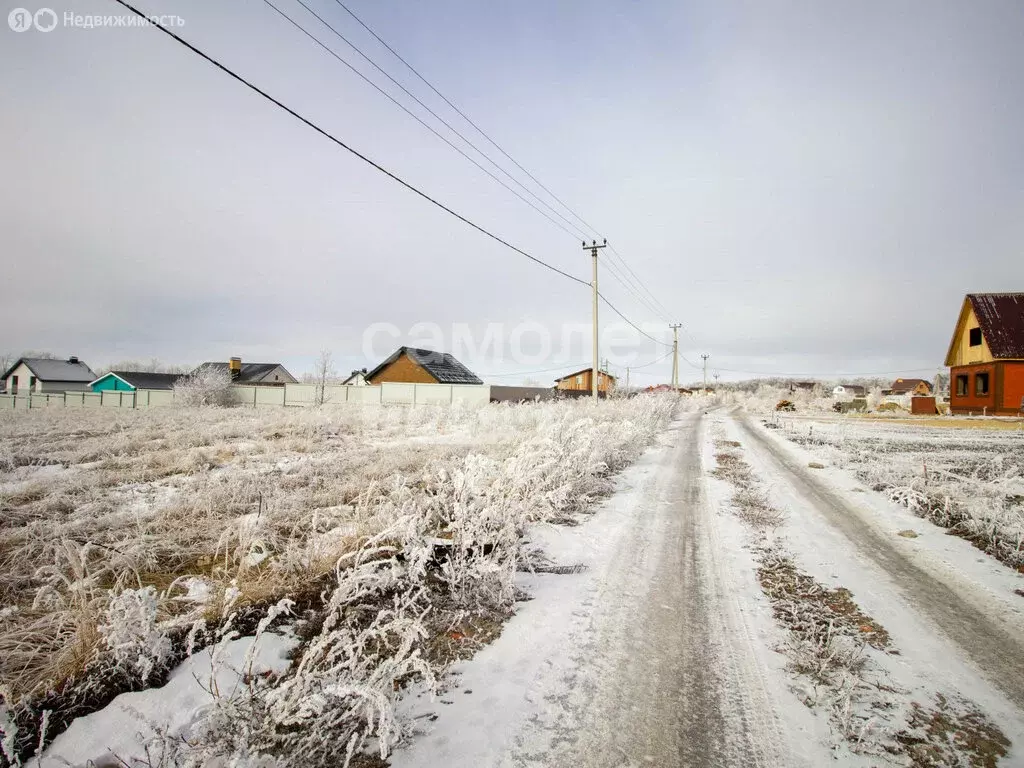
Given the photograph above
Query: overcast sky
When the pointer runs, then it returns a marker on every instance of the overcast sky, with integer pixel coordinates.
(809, 187)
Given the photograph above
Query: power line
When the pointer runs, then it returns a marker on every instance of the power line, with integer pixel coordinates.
(653, 362)
(345, 146)
(575, 229)
(524, 373)
(497, 146)
(630, 322)
(616, 273)
(660, 309)
(465, 116)
(405, 109)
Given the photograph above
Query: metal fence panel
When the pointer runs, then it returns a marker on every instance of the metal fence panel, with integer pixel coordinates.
(364, 395)
(299, 394)
(471, 394)
(266, 396)
(393, 393)
(432, 394)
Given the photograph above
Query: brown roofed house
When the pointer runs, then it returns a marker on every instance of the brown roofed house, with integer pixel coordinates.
(919, 387)
(411, 365)
(986, 355)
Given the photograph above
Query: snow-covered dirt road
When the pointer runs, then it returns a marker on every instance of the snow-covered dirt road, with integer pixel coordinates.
(985, 623)
(657, 655)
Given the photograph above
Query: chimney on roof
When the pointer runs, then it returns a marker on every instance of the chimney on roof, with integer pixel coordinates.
(235, 367)
(73, 360)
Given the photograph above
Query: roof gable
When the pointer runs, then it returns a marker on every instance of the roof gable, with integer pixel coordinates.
(442, 366)
(1001, 318)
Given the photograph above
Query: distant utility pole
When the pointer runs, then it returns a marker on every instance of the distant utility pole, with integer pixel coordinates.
(627, 378)
(716, 375)
(675, 354)
(593, 248)
(705, 358)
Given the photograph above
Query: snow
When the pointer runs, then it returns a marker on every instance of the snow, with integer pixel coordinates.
(121, 730)
(928, 662)
(977, 577)
(514, 701)
(492, 696)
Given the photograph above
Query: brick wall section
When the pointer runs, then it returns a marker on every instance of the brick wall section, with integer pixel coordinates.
(406, 370)
(970, 402)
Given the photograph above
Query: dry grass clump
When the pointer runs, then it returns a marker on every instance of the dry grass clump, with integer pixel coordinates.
(751, 503)
(811, 610)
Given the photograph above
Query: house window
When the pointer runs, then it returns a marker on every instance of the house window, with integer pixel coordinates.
(961, 385)
(276, 377)
(975, 339)
(981, 384)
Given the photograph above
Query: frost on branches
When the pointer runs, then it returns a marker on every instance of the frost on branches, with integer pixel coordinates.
(205, 386)
(369, 535)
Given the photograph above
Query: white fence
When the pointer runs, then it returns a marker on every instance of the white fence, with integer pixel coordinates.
(292, 395)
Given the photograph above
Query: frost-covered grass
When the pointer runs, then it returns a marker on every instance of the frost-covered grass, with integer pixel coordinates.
(969, 481)
(129, 540)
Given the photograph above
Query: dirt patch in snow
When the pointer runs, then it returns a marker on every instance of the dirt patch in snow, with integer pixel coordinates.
(954, 732)
(827, 610)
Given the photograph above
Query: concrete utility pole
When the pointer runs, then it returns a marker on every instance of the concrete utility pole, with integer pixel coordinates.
(715, 375)
(675, 354)
(705, 358)
(627, 379)
(593, 248)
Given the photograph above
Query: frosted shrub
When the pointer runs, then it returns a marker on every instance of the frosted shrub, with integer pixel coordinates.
(206, 386)
(131, 636)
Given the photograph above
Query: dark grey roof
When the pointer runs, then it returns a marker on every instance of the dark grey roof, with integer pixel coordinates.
(46, 369)
(1001, 317)
(146, 380)
(251, 372)
(442, 366)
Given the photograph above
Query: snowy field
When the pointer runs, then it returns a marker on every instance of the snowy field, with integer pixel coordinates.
(287, 574)
(969, 480)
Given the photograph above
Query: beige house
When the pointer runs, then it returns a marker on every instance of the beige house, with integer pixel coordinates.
(34, 374)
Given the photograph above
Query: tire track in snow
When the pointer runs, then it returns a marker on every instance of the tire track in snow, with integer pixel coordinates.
(997, 653)
(664, 671)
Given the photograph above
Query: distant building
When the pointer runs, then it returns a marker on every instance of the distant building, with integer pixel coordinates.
(130, 381)
(986, 355)
(918, 387)
(357, 379)
(421, 366)
(252, 374)
(849, 391)
(582, 381)
(34, 374)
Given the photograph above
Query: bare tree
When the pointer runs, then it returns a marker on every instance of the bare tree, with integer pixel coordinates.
(323, 372)
(6, 361)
